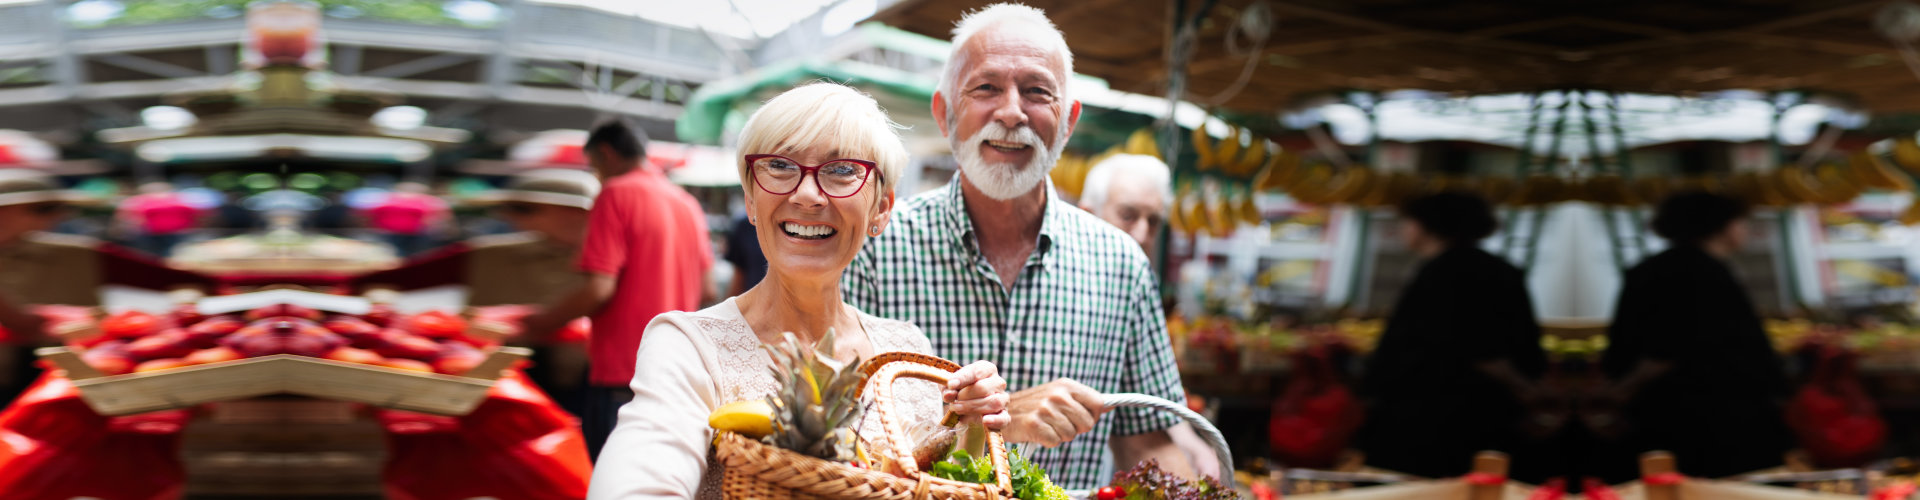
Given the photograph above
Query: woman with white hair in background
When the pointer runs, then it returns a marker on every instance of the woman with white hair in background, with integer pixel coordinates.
(818, 165)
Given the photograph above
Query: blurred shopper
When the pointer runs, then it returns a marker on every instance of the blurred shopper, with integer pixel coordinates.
(646, 253)
(533, 266)
(1131, 192)
(158, 218)
(1457, 364)
(1687, 353)
(994, 267)
(408, 217)
(743, 252)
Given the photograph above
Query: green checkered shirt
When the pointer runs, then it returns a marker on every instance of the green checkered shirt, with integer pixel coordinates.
(1085, 307)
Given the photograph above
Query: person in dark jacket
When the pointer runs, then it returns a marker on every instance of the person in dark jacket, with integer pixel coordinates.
(1455, 368)
(1687, 352)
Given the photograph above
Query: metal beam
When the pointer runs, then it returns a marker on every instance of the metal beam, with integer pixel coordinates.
(421, 65)
(148, 66)
(346, 59)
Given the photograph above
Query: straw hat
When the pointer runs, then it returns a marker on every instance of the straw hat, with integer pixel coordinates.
(20, 186)
(567, 188)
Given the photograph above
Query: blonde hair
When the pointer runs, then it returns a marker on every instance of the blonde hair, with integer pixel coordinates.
(1141, 168)
(831, 114)
(994, 15)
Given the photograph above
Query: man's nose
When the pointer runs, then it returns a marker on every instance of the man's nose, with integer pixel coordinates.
(1007, 111)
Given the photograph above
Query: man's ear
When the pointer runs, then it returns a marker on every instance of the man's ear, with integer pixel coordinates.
(940, 112)
(1073, 118)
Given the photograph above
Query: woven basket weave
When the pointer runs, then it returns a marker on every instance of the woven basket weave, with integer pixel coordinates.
(752, 470)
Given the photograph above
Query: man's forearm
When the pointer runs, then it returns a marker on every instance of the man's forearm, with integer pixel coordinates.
(583, 301)
(1129, 451)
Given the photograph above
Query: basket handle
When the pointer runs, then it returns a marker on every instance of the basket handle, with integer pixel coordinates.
(884, 370)
(1200, 425)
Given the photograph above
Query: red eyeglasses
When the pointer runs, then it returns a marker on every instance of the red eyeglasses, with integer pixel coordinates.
(780, 176)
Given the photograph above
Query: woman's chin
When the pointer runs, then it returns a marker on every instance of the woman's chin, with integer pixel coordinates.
(808, 268)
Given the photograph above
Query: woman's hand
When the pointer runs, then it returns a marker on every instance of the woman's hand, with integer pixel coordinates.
(977, 392)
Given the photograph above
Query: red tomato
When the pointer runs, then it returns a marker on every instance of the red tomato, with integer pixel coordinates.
(437, 324)
(1109, 493)
(130, 324)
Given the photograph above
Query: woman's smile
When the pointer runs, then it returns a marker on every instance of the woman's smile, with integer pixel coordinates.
(808, 231)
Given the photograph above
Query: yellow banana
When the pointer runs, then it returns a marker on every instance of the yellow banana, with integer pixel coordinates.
(752, 418)
(1352, 182)
(1746, 187)
(1906, 153)
(1176, 218)
(1251, 159)
(1835, 187)
(1869, 170)
(1312, 186)
(1772, 193)
(1203, 146)
(1250, 211)
(1143, 143)
(1912, 215)
(1793, 181)
(1229, 149)
(1287, 171)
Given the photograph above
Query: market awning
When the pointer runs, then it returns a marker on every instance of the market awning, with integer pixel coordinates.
(1493, 46)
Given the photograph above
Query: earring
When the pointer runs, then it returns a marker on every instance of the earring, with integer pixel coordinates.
(873, 231)
(750, 220)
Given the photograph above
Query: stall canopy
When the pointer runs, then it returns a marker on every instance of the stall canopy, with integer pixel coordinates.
(1482, 46)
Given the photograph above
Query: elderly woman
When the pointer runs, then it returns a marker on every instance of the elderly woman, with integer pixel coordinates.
(818, 167)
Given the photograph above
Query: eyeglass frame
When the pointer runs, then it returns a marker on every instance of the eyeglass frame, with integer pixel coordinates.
(873, 169)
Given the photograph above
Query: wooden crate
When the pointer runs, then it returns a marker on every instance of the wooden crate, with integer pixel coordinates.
(283, 374)
(283, 446)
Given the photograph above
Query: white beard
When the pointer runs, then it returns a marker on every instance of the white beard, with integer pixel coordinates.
(1006, 181)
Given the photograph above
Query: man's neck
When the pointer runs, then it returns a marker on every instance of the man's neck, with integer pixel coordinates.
(1008, 230)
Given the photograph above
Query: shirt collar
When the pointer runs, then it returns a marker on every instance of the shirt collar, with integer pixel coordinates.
(953, 210)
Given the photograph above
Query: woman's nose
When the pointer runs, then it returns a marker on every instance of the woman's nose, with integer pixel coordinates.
(808, 194)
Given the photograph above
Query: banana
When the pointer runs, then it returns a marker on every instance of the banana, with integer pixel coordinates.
(1869, 170)
(1229, 149)
(1352, 183)
(1772, 194)
(1906, 153)
(1287, 171)
(1312, 186)
(1835, 187)
(1220, 222)
(1793, 181)
(752, 418)
(1143, 143)
(1911, 216)
(1250, 211)
(1203, 146)
(1176, 218)
(1249, 160)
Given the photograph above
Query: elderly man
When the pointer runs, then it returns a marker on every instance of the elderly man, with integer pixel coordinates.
(1130, 192)
(994, 267)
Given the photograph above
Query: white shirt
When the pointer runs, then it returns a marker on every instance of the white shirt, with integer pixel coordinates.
(691, 364)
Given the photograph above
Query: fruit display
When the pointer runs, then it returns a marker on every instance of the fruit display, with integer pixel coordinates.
(1147, 481)
(1227, 345)
(136, 342)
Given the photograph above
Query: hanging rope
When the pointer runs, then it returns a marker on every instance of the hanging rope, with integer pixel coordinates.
(1256, 25)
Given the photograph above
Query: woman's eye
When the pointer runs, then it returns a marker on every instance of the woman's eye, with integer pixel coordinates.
(841, 169)
(779, 164)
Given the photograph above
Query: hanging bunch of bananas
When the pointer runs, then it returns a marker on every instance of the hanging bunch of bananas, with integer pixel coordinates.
(1070, 173)
(1906, 154)
(1229, 156)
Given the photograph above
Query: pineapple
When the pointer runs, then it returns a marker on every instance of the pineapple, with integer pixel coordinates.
(816, 411)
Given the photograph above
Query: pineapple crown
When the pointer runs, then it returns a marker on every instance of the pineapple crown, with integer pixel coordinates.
(817, 407)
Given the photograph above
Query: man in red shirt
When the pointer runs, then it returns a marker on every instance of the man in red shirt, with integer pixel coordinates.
(159, 218)
(646, 253)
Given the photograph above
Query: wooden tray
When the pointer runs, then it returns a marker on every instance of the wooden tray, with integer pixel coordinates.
(283, 374)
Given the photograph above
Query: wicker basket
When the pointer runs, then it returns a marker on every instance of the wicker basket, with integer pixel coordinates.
(752, 470)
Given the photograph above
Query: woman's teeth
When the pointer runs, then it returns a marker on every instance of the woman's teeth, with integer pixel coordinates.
(808, 232)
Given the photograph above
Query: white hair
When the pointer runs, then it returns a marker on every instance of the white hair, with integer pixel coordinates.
(995, 15)
(826, 114)
(1140, 168)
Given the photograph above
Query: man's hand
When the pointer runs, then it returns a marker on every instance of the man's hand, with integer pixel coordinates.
(1053, 413)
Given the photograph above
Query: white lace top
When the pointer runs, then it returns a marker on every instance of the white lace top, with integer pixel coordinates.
(691, 364)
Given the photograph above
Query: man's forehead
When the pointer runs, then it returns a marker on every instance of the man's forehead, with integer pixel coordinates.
(998, 44)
